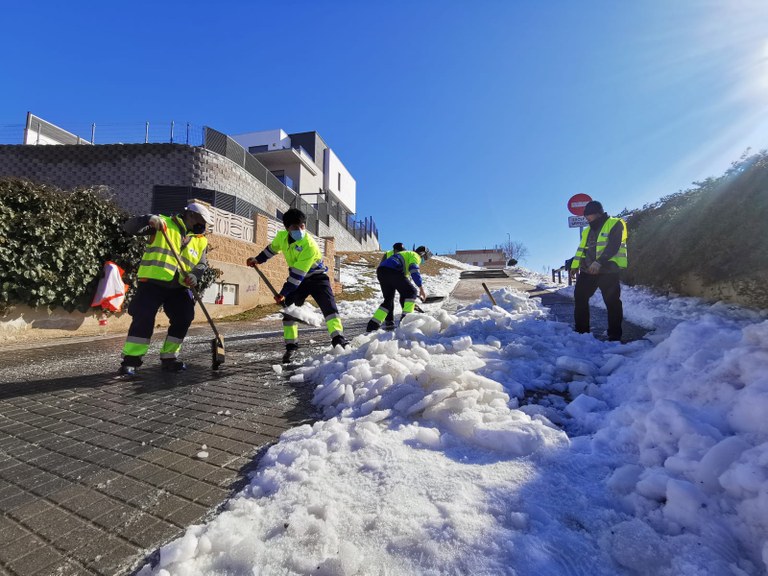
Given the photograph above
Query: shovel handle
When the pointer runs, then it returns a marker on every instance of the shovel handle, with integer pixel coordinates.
(266, 281)
(274, 293)
(493, 300)
(194, 292)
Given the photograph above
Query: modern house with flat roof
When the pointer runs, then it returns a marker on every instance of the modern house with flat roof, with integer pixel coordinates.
(304, 163)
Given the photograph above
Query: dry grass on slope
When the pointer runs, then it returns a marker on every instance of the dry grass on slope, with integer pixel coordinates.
(372, 259)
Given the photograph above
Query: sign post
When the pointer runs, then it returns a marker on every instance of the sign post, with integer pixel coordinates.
(576, 204)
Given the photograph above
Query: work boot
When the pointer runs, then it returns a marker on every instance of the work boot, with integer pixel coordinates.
(339, 340)
(172, 365)
(389, 325)
(290, 353)
(126, 370)
(372, 326)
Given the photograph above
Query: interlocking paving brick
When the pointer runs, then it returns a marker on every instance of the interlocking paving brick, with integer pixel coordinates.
(96, 471)
(19, 548)
(156, 535)
(190, 514)
(10, 530)
(212, 497)
(80, 534)
(37, 561)
(51, 524)
(19, 500)
(105, 555)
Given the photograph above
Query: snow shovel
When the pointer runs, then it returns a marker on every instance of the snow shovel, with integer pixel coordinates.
(433, 299)
(217, 344)
(274, 293)
(493, 300)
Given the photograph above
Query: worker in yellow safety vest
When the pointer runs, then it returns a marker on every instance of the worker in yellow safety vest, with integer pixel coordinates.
(600, 257)
(393, 274)
(397, 247)
(307, 276)
(162, 283)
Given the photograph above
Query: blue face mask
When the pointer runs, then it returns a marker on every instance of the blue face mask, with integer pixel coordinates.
(297, 234)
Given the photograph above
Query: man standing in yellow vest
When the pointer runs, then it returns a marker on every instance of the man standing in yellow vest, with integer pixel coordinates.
(161, 283)
(307, 276)
(600, 257)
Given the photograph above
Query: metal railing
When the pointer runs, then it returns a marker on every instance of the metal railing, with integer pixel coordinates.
(332, 207)
(168, 132)
(559, 273)
(226, 146)
(171, 132)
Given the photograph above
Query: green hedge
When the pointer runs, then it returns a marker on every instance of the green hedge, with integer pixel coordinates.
(53, 245)
(715, 231)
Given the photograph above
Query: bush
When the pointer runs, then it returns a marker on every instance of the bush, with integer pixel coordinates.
(714, 232)
(53, 245)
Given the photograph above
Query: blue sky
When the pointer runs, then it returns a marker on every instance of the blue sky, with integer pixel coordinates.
(462, 122)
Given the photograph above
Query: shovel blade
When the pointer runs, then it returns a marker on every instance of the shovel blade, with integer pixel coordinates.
(217, 350)
(290, 318)
(431, 299)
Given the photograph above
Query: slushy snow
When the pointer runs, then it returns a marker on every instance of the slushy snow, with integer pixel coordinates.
(495, 441)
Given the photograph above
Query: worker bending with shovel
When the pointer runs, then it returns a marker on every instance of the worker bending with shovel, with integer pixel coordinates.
(393, 273)
(162, 283)
(307, 276)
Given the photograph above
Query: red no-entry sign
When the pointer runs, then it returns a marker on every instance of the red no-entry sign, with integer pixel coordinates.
(577, 202)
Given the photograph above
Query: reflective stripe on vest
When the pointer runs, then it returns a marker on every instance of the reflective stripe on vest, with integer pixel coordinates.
(408, 257)
(158, 262)
(602, 241)
(302, 256)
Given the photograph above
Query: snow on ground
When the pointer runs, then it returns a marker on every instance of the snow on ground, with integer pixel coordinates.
(495, 441)
(355, 277)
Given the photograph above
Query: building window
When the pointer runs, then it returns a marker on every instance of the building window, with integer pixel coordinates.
(257, 149)
(221, 293)
(286, 180)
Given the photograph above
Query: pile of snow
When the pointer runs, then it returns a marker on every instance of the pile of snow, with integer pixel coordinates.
(496, 441)
(307, 314)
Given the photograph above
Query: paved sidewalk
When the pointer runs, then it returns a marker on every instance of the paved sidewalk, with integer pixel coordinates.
(97, 472)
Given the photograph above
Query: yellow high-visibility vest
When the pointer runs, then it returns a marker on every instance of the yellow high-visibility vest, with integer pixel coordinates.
(158, 262)
(602, 241)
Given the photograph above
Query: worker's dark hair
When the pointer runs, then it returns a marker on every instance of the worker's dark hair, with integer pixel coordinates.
(421, 250)
(294, 216)
(398, 247)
